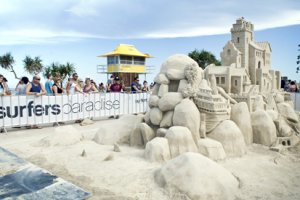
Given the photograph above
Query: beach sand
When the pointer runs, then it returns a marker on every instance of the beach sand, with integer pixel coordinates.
(262, 174)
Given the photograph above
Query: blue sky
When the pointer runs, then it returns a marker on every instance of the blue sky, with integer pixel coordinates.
(77, 31)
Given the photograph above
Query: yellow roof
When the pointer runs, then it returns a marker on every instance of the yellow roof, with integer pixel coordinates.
(126, 49)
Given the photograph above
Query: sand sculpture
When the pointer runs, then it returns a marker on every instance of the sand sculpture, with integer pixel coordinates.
(193, 114)
(194, 110)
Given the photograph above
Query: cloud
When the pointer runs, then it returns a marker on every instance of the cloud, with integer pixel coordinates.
(34, 21)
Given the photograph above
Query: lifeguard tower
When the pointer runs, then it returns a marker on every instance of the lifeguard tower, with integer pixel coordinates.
(126, 62)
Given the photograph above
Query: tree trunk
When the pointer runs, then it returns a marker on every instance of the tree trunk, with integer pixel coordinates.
(13, 71)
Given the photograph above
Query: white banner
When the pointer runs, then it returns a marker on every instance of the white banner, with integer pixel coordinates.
(24, 110)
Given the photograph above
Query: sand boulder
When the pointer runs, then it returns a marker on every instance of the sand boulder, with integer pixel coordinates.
(241, 116)
(147, 117)
(155, 89)
(273, 114)
(211, 149)
(174, 74)
(110, 134)
(62, 136)
(146, 131)
(259, 103)
(183, 84)
(197, 177)
(136, 138)
(169, 101)
(155, 116)
(231, 137)
(180, 141)
(174, 66)
(153, 101)
(157, 150)
(161, 132)
(283, 128)
(279, 98)
(166, 121)
(163, 89)
(288, 112)
(161, 79)
(264, 130)
(187, 114)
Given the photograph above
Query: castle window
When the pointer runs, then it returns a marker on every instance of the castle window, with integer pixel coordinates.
(258, 65)
(222, 80)
(235, 82)
(238, 40)
(228, 52)
(218, 80)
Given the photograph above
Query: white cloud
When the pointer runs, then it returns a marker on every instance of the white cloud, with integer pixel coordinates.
(38, 36)
(34, 21)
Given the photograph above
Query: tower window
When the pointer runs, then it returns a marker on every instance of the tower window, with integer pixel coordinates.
(228, 52)
(238, 40)
(258, 65)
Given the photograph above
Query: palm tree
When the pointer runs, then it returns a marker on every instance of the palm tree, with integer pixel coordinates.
(33, 65)
(67, 70)
(6, 62)
(59, 70)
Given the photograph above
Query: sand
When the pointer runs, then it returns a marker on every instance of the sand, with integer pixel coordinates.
(262, 174)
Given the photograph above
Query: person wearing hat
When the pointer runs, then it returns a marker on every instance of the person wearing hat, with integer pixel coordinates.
(116, 86)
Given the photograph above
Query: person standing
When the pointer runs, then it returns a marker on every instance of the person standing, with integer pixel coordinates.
(49, 84)
(89, 87)
(135, 86)
(2, 86)
(102, 88)
(21, 86)
(73, 85)
(116, 86)
(4, 90)
(37, 89)
(145, 87)
(56, 88)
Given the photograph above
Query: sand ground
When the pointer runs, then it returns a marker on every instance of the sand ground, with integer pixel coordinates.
(262, 174)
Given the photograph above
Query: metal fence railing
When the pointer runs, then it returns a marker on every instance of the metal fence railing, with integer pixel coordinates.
(25, 110)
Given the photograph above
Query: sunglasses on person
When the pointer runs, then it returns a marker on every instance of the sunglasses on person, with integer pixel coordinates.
(38, 79)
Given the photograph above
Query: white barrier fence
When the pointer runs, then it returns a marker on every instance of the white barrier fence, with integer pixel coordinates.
(25, 110)
(295, 97)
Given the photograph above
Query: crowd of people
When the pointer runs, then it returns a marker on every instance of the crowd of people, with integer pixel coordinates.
(75, 85)
(289, 86)
(54, 86)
